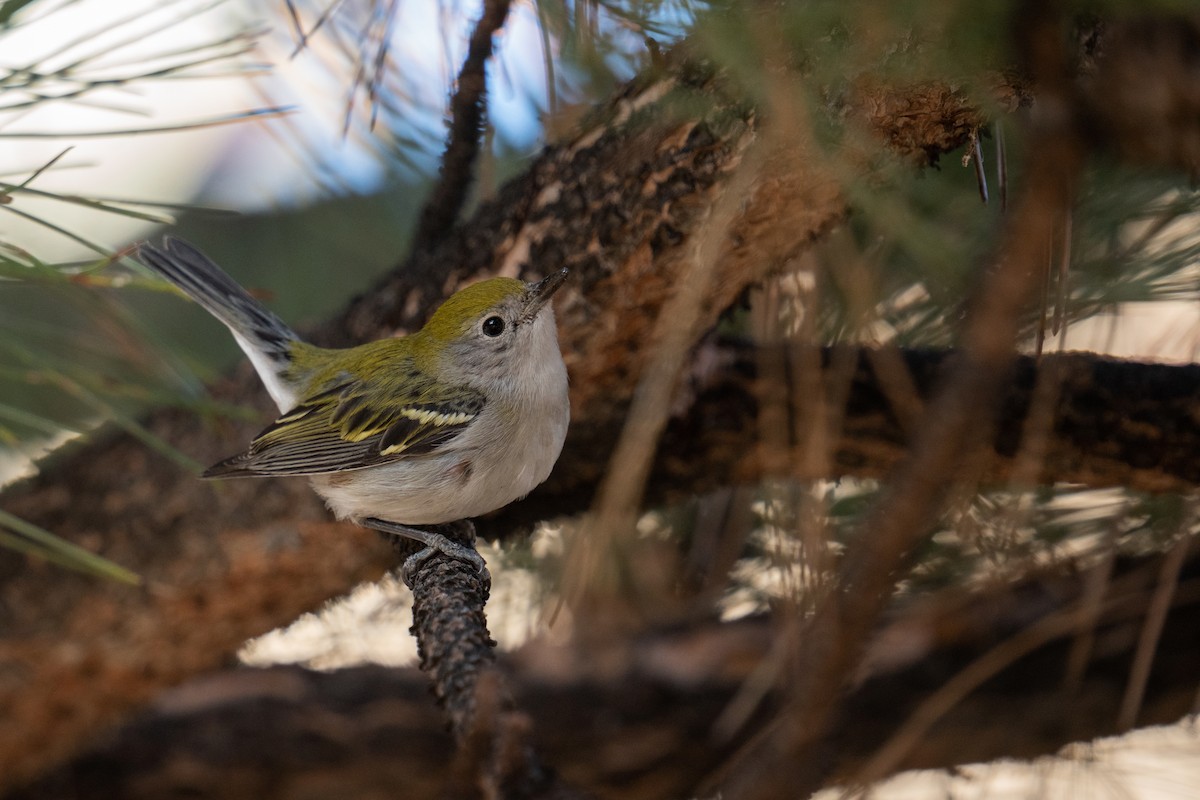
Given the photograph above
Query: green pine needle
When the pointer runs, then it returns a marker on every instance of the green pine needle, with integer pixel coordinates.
(28, 538)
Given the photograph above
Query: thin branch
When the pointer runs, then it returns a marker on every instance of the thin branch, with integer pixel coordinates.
(468, 110)
(450, 624)
(1095, 586)
(1152, 628)
(457, 652)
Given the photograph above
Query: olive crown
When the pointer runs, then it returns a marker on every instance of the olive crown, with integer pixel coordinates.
(468, 304)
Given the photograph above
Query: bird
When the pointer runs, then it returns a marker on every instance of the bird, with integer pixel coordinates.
(455, 420)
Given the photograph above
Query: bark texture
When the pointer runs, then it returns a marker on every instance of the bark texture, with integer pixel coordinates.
(620, 204)
(1114, 423)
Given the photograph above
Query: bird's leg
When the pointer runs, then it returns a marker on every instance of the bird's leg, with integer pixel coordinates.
(433, 542)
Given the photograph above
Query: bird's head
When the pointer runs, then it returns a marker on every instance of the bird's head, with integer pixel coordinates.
(497, 329)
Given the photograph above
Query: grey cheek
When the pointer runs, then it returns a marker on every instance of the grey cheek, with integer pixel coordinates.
(486, 359)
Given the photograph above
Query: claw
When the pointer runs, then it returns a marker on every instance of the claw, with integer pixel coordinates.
(434, 542)
(411, 564)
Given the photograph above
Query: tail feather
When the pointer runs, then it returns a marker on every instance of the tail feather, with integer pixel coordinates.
(264, 337)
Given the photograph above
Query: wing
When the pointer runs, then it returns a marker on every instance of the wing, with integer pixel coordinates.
(351, 426)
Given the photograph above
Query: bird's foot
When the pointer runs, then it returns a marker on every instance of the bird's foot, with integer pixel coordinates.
(434, 543)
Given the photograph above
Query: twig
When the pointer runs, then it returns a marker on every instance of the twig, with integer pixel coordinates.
(468, 109)
(1095, 586)
(975, 157)
(1059, 324)
(457, 652)
(1156, 616)
(1075, 617)
(1001, 165)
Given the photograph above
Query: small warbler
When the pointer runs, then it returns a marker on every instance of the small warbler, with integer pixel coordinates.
(458, 419)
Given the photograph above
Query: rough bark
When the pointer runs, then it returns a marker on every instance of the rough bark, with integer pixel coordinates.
(1115, 423)
(496, 757)
(225, 562)
(618, 204)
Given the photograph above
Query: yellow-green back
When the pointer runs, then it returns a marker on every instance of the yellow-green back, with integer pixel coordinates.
(393, 360)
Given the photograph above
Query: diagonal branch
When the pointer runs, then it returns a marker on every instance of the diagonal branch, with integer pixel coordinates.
(468, 111)
(229, 562)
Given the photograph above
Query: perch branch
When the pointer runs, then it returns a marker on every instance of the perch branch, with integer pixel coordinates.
(496, 755)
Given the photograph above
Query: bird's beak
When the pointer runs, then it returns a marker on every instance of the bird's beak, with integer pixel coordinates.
(539, 293)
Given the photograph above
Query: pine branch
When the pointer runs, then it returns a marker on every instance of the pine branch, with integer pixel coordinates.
(230, 562)
(456, 653)
(468, 112)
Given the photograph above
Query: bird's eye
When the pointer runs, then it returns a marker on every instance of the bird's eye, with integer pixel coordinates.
(493, 326)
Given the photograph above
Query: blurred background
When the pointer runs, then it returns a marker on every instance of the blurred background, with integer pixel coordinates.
(295, 142)
(292, 142)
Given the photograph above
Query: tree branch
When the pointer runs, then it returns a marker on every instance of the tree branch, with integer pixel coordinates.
(1115, 423)
(619, 204)
(468, 110)
(456, 653)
